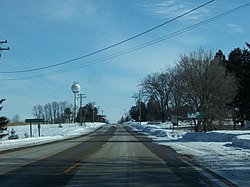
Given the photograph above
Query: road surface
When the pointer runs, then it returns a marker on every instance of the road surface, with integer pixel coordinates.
(112, 156)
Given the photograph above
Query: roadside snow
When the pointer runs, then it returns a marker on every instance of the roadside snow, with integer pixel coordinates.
(242, 141)
(225, 152)
(49, 133)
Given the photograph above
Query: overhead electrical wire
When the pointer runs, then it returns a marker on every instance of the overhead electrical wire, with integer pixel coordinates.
(115, 99)
(31, 96)
(152, 42)
(25, 61)
(111, 46)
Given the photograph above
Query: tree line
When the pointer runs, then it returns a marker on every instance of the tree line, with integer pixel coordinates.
(62, 112)
(54, 112)
(90, 113)
(201, 81)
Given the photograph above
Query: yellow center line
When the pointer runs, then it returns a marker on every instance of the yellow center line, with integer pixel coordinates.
(72, 167)
(69, 169)
(103, 145)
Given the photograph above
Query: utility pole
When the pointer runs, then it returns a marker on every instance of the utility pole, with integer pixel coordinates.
(138, 99)
(81, 96)
(103, 119)
(125, 114)
(140, 105)
(98, 108)
(3, 48)
(93, 107)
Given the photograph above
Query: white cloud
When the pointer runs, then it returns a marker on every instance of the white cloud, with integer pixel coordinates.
(174, 8)
(235, 28)
(68, 10)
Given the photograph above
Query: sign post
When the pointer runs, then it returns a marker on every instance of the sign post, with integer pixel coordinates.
(30, 129)
(39, 129)
(37, 120)
(174, 120)
(196, 116)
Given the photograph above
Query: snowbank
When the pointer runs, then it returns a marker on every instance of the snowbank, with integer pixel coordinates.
(164, 130)
(242, 141)
(157, 130)
(49, 133)
(214, 136)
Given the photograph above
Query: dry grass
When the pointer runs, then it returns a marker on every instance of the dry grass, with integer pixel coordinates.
(17, 124)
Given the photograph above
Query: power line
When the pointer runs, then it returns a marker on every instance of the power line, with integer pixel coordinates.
(115, 99)
(127, 51)
(21, 93)
(113, 45)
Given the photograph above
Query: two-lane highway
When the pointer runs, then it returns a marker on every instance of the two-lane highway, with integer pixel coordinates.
(112, 156)
(49, 164)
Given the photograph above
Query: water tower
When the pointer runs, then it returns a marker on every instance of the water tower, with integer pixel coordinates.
(75, 89)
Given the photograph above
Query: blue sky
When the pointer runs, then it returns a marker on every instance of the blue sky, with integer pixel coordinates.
(43, 33)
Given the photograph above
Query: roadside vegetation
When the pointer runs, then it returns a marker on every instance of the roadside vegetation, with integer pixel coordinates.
(3, 122)
(201, 81)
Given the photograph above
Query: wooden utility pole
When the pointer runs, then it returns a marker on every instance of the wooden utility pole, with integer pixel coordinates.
(93, 107)
(140, 105)
(3, 48)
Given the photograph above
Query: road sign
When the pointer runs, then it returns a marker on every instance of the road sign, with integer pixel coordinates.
(34, 120)
(195, 115)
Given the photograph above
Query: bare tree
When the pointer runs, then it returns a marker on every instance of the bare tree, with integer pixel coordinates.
(55, 110)
(62, 105)
(35, 111)
(16, 118)
(157, 87)
(38, 111)
(177, 103)
(48, 112)
(207, 87)
(51, 112)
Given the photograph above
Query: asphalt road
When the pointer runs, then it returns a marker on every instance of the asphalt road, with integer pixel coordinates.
(111, 156)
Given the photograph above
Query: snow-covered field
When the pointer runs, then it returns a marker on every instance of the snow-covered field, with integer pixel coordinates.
(49, 133)
(225, 152)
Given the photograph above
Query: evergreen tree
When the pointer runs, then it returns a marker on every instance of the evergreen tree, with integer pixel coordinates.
(220, 58)
(3, 122)
(87, 113)
(239, 64)
(67, 113)
(13, 135)
(243, 96)
(153, 112)
(134, 111)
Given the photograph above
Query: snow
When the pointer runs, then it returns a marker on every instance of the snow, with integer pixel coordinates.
(242, 141)
(227, 153)
(49, 133)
